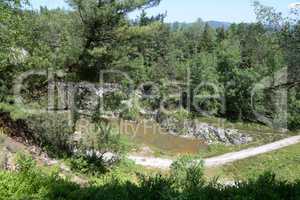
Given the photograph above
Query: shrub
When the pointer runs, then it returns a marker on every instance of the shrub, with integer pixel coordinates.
(131, 109)
(34, 184)
(112, 101)
(181, 115)
(29, 182)
(99, 148)
(51, 131)
(100, 139)
(175, 120)
(157, 187)
(188, 172)
(88, 165)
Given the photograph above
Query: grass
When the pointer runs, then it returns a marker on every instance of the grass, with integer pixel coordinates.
(31, 183)
(219, 149)
(247, 127)
(125, 171)
(259, 132)
(285, 163)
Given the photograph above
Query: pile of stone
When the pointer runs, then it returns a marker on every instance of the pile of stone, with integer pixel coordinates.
(206, 132)
(212, 134)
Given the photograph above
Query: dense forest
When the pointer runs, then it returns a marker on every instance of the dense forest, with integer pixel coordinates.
(223, 64)
(241, 72)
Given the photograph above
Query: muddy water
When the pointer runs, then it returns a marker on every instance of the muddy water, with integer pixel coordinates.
(151, 134)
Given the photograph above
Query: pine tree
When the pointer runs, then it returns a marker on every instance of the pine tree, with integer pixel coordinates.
(207, 42)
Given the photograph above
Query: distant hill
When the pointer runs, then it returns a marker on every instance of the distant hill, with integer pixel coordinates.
(199, 22)
(219, 24)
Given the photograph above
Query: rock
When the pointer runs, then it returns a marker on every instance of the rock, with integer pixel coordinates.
(170, 125)
(7, 161)
(109, 157)
(212, 134)
(149, 114)
(203, 131)
(83, 96)
(18, 55)
(87, 97)
(237, 138)
(220, 133)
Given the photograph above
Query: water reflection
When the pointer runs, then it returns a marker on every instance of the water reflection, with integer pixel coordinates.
(151, 134)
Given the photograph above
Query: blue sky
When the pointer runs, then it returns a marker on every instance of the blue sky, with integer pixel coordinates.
(190, 10)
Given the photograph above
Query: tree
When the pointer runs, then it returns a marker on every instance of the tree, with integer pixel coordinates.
(106, 33)
(290, 42)
(268, 16)
(204, 82)
(207, 41)
(286, 31)
(221, 34)
(13, 41)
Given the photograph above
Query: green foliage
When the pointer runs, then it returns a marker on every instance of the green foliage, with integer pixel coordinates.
(294, 108)
(181, 114)
(178, 119)
(16, 112)
(107, 35)
(267, 15)
(131, 109)
(97, 35)
(187, 172)
(157, 187)
(205, 84)
(34, 184)
(98, 149)
(30, 183)
(25, 164)
(113, 102)
(284, 162)
(207, 41)
(88, 165)
(51, 131)
(101, 138)
(13, 33)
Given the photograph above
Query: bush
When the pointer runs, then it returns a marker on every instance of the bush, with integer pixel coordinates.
(131, 109)
(175, 121)
(30, 183)
(157, 187)
(188, 172)
(51, 131)
(112, 101)
(98, 149)
(33, 184)
(294, 108)
(88, 165)
(100, 139)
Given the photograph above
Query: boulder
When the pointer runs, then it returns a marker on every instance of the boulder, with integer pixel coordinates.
(206, 132)
(237, 138)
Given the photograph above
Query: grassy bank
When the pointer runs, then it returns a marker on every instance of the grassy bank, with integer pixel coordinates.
(32, 183)
(285, 163)
(261, 135)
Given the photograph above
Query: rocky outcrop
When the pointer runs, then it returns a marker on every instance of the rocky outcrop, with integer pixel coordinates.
(206, 132)
(84, 97)
(212, 134)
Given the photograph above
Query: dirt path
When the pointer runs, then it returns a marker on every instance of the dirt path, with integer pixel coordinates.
(223, 159)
